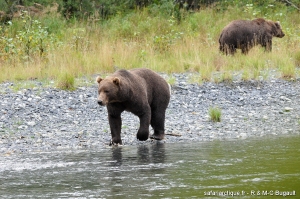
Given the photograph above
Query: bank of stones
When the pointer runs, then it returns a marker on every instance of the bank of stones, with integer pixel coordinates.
(43, 118)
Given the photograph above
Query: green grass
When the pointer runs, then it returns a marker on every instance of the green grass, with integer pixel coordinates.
(145, 39)
(171, 80)
(18, 85)
(215, 114)
(297, 59)
(66, 81)
(195, 79)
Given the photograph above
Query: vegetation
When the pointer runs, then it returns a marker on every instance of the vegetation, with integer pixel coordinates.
(60, 39)
(215, 114)
(171, 80)
(66, 82)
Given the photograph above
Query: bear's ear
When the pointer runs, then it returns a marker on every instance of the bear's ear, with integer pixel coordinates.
(99, 79)
(277, 23)
(116, 81)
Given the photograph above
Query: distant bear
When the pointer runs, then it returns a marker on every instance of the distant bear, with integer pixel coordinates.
(244, 34)
(139, 91)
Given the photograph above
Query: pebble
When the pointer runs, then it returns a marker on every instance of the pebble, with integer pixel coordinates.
(46, 118)
(288, 109)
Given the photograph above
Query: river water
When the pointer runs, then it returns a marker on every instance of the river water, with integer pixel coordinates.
(267, 167)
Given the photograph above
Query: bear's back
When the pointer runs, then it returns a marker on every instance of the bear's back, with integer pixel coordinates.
(151, 77)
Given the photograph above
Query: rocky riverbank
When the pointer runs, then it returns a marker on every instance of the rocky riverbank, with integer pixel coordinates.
(43, 118)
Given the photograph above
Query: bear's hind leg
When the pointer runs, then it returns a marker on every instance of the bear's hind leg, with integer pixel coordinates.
(158, 124)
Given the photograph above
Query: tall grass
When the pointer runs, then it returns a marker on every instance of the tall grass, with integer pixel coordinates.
(161, 43)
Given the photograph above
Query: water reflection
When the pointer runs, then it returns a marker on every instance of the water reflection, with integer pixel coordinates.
(154, 153)
(156, 170)
(117, 157)
(129, 170)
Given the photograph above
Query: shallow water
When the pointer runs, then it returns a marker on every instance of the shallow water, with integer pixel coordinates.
(249, 168)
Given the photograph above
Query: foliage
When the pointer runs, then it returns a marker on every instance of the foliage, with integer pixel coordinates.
(31, 40)
(153, 34)
(165, 40)
(104, 9)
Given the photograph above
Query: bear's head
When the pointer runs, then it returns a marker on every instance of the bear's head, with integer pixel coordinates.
(108, 90)
(276, 29)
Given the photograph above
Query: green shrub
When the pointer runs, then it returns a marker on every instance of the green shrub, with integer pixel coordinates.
(215, 114)
(26, 40)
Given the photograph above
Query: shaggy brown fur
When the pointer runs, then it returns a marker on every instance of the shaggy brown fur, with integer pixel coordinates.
(244, 34)
(139, 91)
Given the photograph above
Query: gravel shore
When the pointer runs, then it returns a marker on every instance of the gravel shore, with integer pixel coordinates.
(43, 118)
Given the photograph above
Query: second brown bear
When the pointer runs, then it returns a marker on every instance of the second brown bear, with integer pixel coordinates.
(244, 34)
(139, 91)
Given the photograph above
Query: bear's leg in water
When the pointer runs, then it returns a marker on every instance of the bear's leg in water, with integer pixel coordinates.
(158, 124)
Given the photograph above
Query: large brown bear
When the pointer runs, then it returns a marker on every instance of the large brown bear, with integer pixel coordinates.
(244, 34)
(139, 91)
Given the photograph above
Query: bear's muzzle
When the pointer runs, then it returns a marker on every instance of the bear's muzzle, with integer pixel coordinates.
(100, 102)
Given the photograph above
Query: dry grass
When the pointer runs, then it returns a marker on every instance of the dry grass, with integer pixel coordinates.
(161, 45)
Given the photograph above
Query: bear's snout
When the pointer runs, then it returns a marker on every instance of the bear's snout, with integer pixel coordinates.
(281, 35)
(100, 102)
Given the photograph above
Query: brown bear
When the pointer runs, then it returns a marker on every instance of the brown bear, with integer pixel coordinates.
(139, 91)
(244, 34)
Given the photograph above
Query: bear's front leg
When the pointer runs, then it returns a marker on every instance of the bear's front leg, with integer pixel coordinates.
(267, 44)
(115, 124)
(143, 132)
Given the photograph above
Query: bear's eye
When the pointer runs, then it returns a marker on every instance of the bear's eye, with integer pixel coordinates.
(106, 91)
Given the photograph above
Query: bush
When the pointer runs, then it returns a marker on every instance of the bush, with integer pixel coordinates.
(215, 114)
(26, 41)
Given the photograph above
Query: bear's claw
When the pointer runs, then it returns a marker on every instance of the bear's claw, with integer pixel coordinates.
(111, 143)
